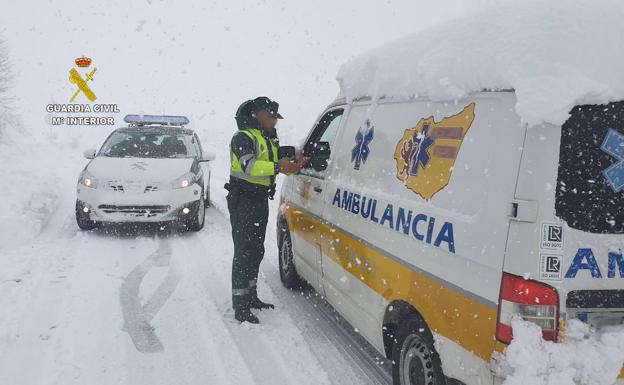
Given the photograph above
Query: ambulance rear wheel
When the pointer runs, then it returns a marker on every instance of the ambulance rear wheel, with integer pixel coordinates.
(288, 273)
(414, 358)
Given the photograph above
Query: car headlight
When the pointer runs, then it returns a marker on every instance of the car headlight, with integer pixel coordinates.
(184, 181)
(88, 180)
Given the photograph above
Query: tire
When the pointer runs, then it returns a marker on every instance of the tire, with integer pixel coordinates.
(288, 273)
(414, 358)
(207, 198)
(198, 218)
(83, 219)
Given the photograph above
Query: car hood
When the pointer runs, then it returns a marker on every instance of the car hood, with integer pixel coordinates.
(139, 169)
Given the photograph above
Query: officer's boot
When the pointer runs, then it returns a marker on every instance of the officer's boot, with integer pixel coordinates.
(241, 301)
(256, 303)
(245, 315)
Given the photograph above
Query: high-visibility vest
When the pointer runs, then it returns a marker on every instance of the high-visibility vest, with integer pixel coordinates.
(261, 170)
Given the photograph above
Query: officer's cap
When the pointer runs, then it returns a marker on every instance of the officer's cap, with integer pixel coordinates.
(266, 104)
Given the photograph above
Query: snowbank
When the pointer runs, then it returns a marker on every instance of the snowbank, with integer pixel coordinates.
(554, 54)
(36, 172)
(586, 357)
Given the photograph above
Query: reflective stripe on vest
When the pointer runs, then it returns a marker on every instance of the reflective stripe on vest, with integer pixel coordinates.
(261, 150)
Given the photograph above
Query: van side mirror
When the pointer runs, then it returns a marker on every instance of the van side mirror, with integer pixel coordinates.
(319, 153)
(89, 154)
(286, 152)
(208, 157)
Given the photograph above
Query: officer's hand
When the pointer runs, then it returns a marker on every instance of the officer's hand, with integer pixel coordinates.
(287, 166)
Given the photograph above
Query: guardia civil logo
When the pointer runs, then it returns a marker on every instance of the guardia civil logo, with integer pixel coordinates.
(82, 88)
(426, 153)
(75, 78)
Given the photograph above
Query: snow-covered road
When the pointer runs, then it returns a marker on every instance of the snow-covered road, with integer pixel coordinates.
(120, 306)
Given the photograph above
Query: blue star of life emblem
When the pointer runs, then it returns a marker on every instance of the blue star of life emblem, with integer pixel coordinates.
(360, 152)
(613, 144)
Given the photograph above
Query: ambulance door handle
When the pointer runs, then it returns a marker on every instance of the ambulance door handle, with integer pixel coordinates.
(524, 210)
(318, 189)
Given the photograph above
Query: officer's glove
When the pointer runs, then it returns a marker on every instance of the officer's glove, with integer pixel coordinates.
(288, 166)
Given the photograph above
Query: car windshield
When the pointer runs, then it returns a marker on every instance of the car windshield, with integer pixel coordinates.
(125, 144)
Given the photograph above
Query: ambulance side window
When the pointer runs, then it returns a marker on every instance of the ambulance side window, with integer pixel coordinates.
(320, 143)
(590, 180)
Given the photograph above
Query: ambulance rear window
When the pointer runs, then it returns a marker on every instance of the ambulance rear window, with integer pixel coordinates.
(590, 182)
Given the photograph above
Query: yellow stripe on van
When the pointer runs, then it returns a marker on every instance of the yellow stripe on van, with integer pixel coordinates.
(447, 311)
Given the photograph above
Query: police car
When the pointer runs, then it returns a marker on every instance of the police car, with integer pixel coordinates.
(153, 170)
(425, 221)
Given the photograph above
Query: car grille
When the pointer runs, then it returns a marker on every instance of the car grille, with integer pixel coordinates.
(131, 187)
(115, 187)
(138, 211)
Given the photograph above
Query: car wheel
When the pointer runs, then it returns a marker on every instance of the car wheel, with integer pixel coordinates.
(288, 273)
(198, 218)
(414, 358)
(83, 219)
(207, 199)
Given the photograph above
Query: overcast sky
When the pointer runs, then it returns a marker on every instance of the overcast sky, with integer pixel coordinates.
(202, 58)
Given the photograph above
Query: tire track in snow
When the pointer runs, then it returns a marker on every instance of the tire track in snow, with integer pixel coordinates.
(193, 353)
(100, 352)
(137, 317)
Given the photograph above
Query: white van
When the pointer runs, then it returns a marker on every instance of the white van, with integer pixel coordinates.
(418, 219)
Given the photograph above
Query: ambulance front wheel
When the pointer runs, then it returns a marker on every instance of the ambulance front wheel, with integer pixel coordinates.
(414, 358)
(288, 273)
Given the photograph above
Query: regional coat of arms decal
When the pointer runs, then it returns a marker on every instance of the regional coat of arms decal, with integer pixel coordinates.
(426, 153)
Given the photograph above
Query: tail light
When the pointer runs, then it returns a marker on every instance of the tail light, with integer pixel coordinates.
(533, 301)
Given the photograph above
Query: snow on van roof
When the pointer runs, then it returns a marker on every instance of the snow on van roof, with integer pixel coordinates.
(554, 54)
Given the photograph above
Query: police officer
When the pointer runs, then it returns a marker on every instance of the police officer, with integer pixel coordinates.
(254, 166)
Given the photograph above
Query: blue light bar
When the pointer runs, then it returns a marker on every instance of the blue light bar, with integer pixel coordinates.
(144, 120)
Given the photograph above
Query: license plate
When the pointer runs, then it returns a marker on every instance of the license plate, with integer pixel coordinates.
(599, 320)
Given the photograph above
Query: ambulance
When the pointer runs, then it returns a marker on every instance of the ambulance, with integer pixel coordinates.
(430, 225)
